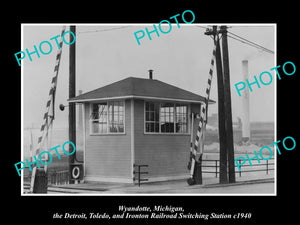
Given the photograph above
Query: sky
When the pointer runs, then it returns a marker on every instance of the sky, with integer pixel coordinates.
(105, 54)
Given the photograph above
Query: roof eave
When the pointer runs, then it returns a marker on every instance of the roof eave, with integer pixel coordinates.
(137, 97)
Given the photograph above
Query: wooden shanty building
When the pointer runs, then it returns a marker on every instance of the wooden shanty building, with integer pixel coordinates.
(137, 121)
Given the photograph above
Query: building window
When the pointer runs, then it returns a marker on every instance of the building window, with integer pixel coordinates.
(98, 118)
(116, 117)
(152, 117)
(107, 117)
(166, 117)
(181, 116)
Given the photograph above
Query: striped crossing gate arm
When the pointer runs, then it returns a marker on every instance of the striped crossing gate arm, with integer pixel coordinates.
(49, 112)
(202, 117)
(191, 142)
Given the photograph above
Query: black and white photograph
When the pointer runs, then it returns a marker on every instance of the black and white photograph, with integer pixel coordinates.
(149, 116)
(168, 116)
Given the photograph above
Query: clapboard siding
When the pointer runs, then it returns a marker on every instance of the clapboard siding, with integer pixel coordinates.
(166, 154)
(108, 156)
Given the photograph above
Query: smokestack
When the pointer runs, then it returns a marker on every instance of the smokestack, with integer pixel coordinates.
(246, 110)
(150, 74)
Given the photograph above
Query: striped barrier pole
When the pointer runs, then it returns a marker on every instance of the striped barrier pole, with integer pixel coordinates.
(203, 109)
(49, 114)
(191, 142)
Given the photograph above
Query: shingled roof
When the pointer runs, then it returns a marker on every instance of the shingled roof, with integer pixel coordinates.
(133, 87)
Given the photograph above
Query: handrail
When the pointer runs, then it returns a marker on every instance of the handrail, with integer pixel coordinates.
(217, 166)
(139, 172)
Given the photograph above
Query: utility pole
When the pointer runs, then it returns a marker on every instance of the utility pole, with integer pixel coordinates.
(228, 112)
(72, 93)
(221, 114)
(80, 121)
(221, 106)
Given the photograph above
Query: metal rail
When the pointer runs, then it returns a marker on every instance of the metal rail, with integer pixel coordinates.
(217, 167)
(139, 172)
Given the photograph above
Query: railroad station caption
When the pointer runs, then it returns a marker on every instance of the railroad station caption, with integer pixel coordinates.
(155, 212)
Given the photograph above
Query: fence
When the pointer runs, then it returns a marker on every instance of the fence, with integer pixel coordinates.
(139, 172)
(62, 177)
(54, 177)
(58, 177)
(215, 164)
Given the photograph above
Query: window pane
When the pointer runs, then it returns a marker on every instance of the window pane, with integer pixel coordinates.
(95, 127)
(167, 117)
(116, 115)
(148, 127)
(95, 110)
(152, 117)
(121, 128)
(98, 118)
(156, 128)
(181, 118)
(151, 108)
(107, 117)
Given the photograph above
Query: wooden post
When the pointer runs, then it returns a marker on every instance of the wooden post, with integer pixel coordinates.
(228, 113)
(221, 116)
(72, 93)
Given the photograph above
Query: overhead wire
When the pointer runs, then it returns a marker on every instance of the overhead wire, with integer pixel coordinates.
(102, 30)
(233, 36)
(261, 49)
(251, 43)
(243, 40)
(202, 26)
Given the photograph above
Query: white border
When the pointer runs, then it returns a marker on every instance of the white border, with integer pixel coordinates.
(22, 112)
(147, 24)
(275, 111)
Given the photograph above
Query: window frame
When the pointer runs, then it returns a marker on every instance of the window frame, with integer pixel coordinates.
(188, 105)
(107, 118)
